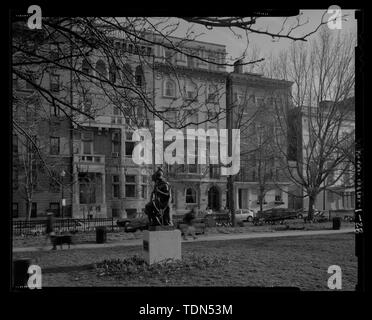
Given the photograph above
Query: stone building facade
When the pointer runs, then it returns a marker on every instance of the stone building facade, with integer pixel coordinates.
(256, 105)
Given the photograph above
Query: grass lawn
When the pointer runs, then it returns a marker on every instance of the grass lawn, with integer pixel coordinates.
(292, 261)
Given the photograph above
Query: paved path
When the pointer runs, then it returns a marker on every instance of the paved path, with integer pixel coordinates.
(213, 237)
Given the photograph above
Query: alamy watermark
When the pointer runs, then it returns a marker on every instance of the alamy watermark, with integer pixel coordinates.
(175, 151)
(335, 280)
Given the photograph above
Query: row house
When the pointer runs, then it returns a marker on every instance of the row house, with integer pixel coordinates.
(191, 93)
(257, 105)
(90, 152)
(41, 163)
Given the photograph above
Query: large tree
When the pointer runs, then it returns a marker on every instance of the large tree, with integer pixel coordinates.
(320, 125)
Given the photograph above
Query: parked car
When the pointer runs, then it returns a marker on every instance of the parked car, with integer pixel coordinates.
(244, 215)
(140, 222)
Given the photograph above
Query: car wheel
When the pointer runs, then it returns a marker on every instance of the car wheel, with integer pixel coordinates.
(250, 219)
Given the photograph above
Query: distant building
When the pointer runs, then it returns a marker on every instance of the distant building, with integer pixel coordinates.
(94, 148)
(192, 91)
(255, 103)
(340, 195)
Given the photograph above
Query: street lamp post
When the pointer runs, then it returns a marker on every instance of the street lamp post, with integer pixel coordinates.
(63, 173)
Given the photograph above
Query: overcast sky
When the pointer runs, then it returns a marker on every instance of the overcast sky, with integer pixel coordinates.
(265, 44)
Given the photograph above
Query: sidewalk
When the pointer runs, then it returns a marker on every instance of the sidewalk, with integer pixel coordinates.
(214, 237)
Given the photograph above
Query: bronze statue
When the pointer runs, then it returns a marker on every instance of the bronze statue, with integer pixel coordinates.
(157, 209)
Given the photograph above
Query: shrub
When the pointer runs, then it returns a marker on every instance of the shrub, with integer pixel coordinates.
(136, 265)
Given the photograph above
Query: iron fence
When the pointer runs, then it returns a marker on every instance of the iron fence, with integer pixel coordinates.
(33, 227)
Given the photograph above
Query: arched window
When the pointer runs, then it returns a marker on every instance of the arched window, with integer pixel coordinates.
(86, 67)
(127, 73)
(139, 77)
(169, 88)
(190, 195)
(101, 69)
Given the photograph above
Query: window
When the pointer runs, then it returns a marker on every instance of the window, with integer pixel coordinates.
(169, 88)
(86, 105)
(115, 143)
(87, 142)
(54, 110)
(101, 69)
(15, 145)
(115, 186)
(260, 101)
(190, 90)
(278, 196)
(253, 175)
(145, 183)
(263, 199)
(139, 77)
(214, 171)
(54, 51)
(130, 48)
(252, 99)
(116, 111)
(87, 188)
(127, 73)
(54, 145)
(130, 186)
(190, 62)
(86, 67)
(54, 82)
(54, 185)
(193, 168)
(129, 144)
(212, 93)
(30, 79)
(15, 177)
(181, 57)
(212, 65)
(54, 207)
(113, 73)
(202, 54)
(117, 46)
(131, 213)
(15, 81)
(15, 209)
(190, 195)
(169, 55)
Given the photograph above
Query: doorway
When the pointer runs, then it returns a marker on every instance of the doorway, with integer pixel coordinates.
(214, 198)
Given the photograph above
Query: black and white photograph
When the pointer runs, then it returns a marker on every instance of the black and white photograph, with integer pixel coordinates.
(181, 151)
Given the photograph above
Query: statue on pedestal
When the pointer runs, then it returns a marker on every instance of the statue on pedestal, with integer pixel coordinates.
(157, 209)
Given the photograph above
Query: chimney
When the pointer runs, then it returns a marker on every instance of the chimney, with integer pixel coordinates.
(238, 67)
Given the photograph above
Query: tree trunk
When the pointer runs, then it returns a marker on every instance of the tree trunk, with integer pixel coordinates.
(261, 199)
(29, 209)
(261, 204)
(310, 214)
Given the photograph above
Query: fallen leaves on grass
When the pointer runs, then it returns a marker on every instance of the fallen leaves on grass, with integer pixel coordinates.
(136, 266)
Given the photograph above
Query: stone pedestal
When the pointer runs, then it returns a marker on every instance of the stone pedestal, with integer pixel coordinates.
(161, 245)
